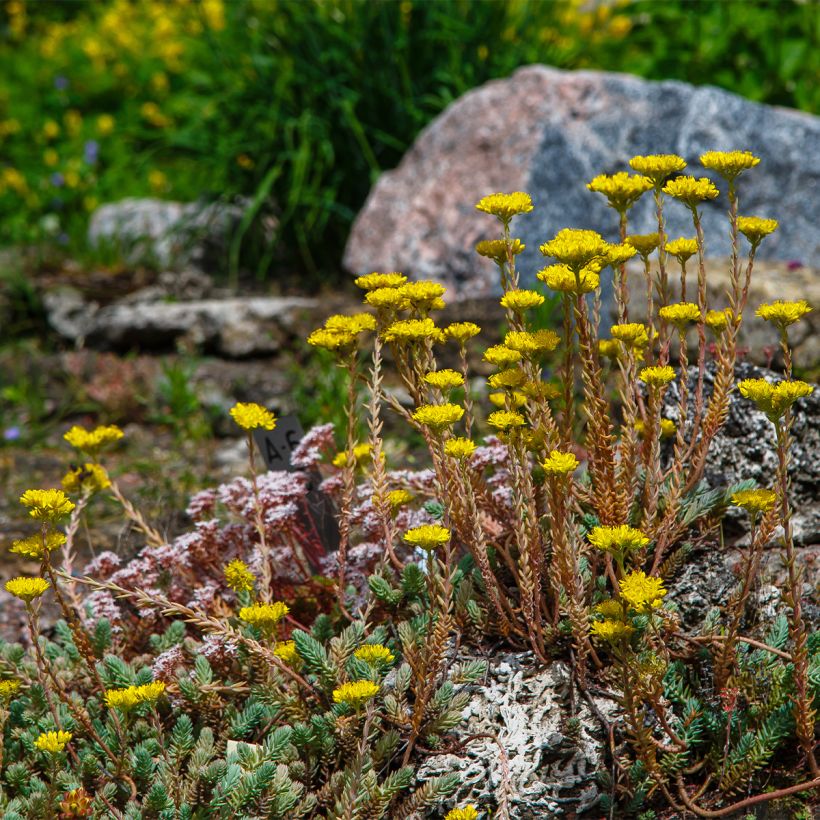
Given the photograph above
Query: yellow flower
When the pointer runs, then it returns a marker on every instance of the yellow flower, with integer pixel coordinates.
(529, 343)
(505, 420)
(412, 330)
(356, 693)
(644, 243)
(657, 166)
(423, 295)
(151, 112)
(521, 300)
(357, 323)
(250, 416)
(264, 616)
(565, 280)
(51, 157)
(438, 416)
(90, 477)
(27, 589)
(621, 539)
(461, 332)
(680, 314)
(729, 163)
(631, 334)
(622, 190)
(331, 340)
(374, 654)
(610, 609)
(92, 441)
(51, 130)
(376, 281)
(398, 498)
(515, 399)
(774, 400)
(53, 742)
(618, 254)
(47, 505)
(668, 428)
(459, 448)
(361, 453)
(612, 631)
(576, 248)
(657, 376)
(501, 356)
(131, 696)
(33, 547)
(8, 688)
(505, 206)
(469, 812)
(507, 379)
(238, 577)
(497, 249)
(540, 390)
(754, 501)
(691, 191)
(558, 463)
(682, 248)
(755, 228)
(642, 592)
(444, 379)
(105, 124)
(286, 652)
(382, 298)
(782, 314)
(427, 536)
(609, 348)
(718, 320)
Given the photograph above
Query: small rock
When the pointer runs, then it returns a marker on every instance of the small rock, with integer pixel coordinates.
(68, 312)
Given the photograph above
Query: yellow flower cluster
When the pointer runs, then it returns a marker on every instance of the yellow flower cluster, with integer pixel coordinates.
(374, 654)
(501, 356)
(438, 416)
(444, 379)
(461, 332)
(611, 631)
(718, 320)
(529, 343)
(622, 190)
(521, 300)
(691, 191)
(238, 577)
(386, 299)
(131, 696)
(644, 243)
(620, 539)
(755, 228)
(89, 477)
(782, 314)
(469, 812)
(412, 330)
(631, 334)
(356, 693)
(8, 688)
(576, 248)
(286, 652)
(53, 742)
(754, 501)
(92, 441)
(515, 399)
(774, 400)
(47, 505)
(657, 376)
(360, 454)
(642, 592)
(459, 448)
(27, 589)
(657, 166)
(680, 314)
(609, 348)
(729, 163)
(264, 616)
(618, 254)
(558, 463)
(374, 281)
(34, 546)
(505, 420)
(497, 249)
(668, 428)
(398, 498)
(250, 416)
(505, 206)
(423, 295)
(563, 279)
(682, 248)
(340, 332)
(427, 536)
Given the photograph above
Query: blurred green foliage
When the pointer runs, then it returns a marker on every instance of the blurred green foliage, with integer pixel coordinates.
(297, 106)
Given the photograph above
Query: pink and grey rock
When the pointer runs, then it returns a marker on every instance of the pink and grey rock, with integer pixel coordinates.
(548, 132)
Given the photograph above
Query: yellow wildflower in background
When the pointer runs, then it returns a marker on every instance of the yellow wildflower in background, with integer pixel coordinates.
(729, 164)
(620, 539)
(444, 379)
(33, 546)
(8, 688)
(398, 498)
(539, 341)
(27, 589)
(611, 609)
(374, 654)
(427, 536)
(576, 248)
(497, 249)
(412, 330)
(361, 452)
(501, 356)
(754, 501)
(89, 476)
(250, 416)
(331, 340)
(376, 281)
(564, 280)
(691, 191)
(131, 696)
(92, 441)
(469, 812)
(438, 416)
(642, 592)
(389, 297)
(264, 616)
(424, 294)
(682, 248)
(505, 420)
(611, 631)
(53, 742)
(459, 448)
(47, 505)
(782, 314)
(286, 652)
(507, 379)
(238, 577)
(505, 206)
(618, 254)
(657, 166)
(680, 314)
(356, 693)
(668, 428)
(718, 320)
(657, 376)
(105, 124)
(622, 189)
(558, 463)
(755, 228)
(461, 332)
(774, 400)
(631, 334)
(609, 348)
(357, 323)
(644, 243)
(521, 300)
(515, 399)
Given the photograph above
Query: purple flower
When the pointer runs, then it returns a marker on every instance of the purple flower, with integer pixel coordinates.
(11, 433)
(794, 264)
(90, 152)
(57, 179)
(61, 83)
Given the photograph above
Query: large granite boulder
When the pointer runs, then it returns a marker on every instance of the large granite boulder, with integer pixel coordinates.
(548, 132)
